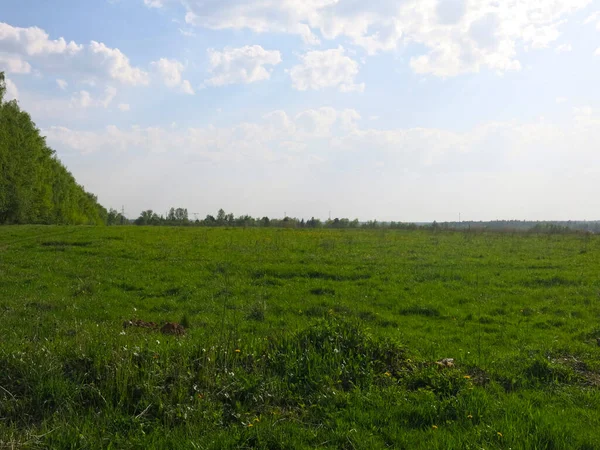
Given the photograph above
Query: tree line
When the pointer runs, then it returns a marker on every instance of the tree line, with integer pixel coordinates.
(180, 217)
(35, 188)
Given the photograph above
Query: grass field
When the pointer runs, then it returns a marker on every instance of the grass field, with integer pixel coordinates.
(298, 339)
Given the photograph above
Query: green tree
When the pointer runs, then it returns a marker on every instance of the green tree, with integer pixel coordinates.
(34, 186)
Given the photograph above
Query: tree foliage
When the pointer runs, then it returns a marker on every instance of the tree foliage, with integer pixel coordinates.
(34, 186)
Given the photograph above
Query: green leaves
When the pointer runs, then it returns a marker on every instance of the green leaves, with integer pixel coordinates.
(34, 186)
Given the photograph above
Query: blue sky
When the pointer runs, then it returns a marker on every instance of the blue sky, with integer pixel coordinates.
(408, 110)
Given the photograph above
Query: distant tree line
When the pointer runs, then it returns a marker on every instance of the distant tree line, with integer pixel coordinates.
(35, 188)
(180, 217)
(531, 226)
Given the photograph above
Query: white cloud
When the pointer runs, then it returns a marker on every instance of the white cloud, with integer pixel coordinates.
(326, 69)
(12, 93)
(564, 48)
(597, 52)
(83, 99)
(124, 107)
(263, 139)
(170, 71)
(13, 64)
(33, 41)
(458, 36)
(109, 94)
(26, 46)
(117, 65)
(593, 18)
(187, 33)
(241, 65)
(330, 136)
(154, 3)
(62, 84)
(316, 123)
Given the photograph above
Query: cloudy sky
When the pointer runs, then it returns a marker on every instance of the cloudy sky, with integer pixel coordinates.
(410, 110)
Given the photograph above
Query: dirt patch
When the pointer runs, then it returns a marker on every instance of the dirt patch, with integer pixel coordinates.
(172, 328)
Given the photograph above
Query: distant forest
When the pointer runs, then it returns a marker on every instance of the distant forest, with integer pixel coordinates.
(35, 188)
(180, 217)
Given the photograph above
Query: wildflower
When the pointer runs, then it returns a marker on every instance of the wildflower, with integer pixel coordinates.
(469, 416)
(250, 424)
(237, 350)
(434, 427)
(387, 374)
(499, 434)
(467, 377)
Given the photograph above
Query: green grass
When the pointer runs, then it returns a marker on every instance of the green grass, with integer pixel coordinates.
(298, 339)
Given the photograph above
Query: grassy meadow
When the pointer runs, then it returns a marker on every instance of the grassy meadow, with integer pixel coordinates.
(298, 339)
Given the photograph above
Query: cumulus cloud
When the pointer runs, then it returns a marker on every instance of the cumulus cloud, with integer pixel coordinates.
(170, 70)
(187, 33)
(13, 64)
(326, 69)
(154, 3)
(261, 139)
(450, 12)
(564, 48)
(83, 99)
(33, 41)
(316, 123)
(458, 36)
(12, 93)
(117, 65)
(241, 65)
(26, 46)
(62, 84)
(329, 136)
(593, 19)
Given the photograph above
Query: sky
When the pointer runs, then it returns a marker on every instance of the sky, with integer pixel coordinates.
(405, 110)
